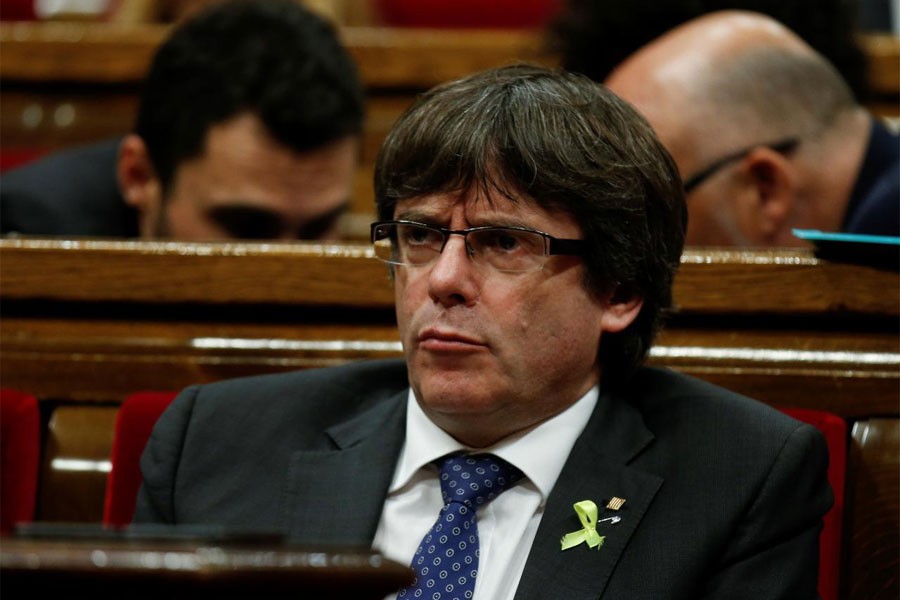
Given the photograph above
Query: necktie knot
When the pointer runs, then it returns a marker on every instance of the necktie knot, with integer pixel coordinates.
(476, 479)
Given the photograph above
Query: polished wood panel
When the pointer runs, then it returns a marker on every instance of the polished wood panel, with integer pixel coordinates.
(76, 463)
(778, 282)
(397, 57)
(873, 521)
(182, 272)
(883, 52)
(79, 52)
(110, 568)
(103, 359)
(109, 317)
(781, 281)
(114, 53)
(851, 374)
(67, 83)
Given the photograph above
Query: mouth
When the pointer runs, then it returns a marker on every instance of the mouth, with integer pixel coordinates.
(439, 340)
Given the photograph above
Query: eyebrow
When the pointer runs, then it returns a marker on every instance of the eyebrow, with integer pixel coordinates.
(415, 215)
(494, 221)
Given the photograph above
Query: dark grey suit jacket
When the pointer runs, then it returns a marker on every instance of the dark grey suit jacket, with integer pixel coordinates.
(73, 192)
(724, 496)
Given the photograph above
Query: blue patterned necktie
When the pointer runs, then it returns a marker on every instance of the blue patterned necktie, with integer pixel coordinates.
(446, 562)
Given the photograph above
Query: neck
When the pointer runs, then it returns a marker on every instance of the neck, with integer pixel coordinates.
(832, 169)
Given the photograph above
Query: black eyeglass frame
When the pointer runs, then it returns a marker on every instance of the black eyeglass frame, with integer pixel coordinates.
(553, 246)
(782, 146)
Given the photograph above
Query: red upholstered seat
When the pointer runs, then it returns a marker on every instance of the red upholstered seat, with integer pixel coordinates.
(134, 423)
(20, 455)
(835, 430)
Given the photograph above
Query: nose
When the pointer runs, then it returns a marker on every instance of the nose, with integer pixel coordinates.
(453, 278)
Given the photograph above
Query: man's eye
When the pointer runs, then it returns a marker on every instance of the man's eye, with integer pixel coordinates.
(508, 242)
(420, 235)
(502, 241)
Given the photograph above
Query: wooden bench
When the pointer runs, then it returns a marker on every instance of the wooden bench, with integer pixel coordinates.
(69, 83)
(85, 322)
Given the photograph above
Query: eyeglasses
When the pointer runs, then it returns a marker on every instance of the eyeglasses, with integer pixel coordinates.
(510, 249)
(782, 146)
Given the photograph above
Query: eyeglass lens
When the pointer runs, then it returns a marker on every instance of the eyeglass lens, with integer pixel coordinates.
(502, 248)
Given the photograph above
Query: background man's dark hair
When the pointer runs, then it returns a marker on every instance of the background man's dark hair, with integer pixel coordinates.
(570, 145)
(273, 58)
(593, 36)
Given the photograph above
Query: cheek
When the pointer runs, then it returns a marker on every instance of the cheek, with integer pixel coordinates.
(572, 332)
(405, 302)
(185, 221)
(556, 325)
(569, 323)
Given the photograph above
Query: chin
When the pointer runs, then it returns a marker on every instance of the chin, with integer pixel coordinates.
(455, 393)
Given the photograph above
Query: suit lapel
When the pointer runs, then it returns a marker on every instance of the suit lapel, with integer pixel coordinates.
(596, 470)
(336, 496)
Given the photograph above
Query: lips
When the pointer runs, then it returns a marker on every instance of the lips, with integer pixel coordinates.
(442, 340)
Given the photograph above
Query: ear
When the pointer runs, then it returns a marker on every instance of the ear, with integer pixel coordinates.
(769, 209)
(619, 313)
(139, 184)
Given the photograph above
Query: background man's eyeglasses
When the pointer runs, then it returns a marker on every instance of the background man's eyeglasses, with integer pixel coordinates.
(511, 249)
(782, 146)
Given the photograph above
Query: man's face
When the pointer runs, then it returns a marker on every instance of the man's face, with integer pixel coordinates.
(248, 185)
(492, 353)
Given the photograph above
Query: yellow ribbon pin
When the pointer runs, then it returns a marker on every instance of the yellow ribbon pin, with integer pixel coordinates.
(587, 514)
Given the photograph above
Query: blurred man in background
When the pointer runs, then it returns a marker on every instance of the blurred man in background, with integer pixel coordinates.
(248, 127)
(766, 134)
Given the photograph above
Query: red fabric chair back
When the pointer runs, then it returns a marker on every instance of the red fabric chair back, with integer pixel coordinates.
(20, 456)
(835, 430)
(134, 423)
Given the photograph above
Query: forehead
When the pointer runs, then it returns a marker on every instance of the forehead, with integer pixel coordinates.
(477, 208)
(243, 164)
(242, 149)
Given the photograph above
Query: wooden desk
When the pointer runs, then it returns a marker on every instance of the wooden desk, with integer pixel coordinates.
(110, 317)
(109, 569)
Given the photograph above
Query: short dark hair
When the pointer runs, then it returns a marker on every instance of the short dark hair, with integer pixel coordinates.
(273, 58)
(570, 145)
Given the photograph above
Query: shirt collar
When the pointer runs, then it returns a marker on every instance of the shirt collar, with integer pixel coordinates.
(540, 452)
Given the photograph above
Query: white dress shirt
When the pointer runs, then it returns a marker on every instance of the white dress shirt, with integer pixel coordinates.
(506, 525)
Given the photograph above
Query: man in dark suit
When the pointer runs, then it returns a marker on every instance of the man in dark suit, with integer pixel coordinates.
(533, 224)
(248, 126)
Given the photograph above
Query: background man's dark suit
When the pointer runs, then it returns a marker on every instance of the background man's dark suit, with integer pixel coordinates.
(718, 487)
(73, 192)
